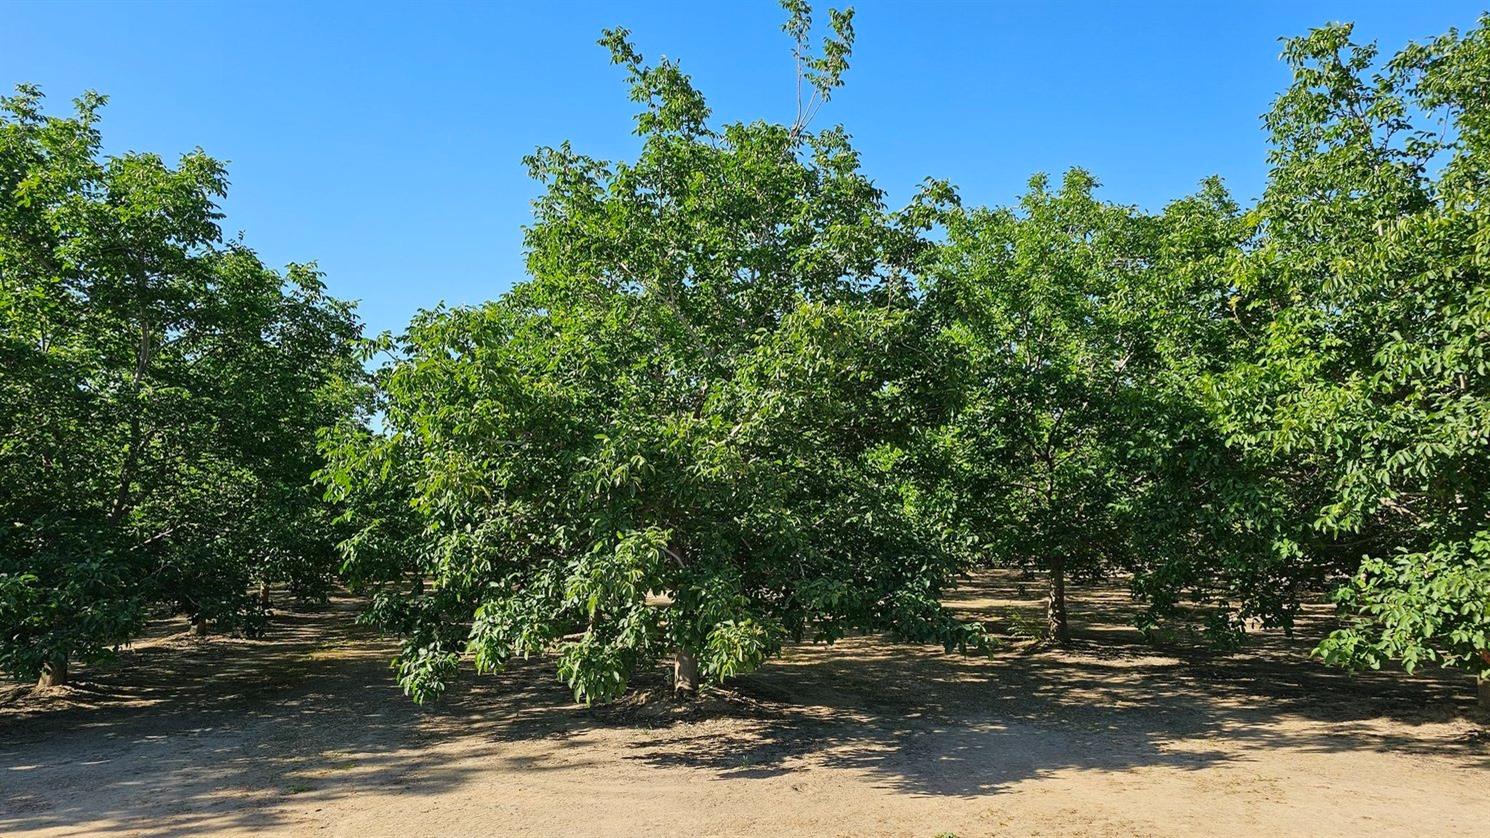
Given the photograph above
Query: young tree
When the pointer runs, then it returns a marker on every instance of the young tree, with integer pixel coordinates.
(679, 437)
(161, 391)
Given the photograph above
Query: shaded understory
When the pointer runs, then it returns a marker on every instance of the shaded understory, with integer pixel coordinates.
(296, 732)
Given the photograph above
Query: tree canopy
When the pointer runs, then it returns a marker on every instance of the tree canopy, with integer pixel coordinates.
(679, 437)
(1371, 312)
(161, 395)
(739, 401)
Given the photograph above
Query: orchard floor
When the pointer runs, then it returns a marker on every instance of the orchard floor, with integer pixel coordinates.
(305, 734)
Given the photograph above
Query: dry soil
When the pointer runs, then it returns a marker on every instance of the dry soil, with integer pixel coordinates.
(304, 733)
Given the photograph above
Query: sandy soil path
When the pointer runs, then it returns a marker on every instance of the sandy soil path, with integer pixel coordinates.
(305, 734)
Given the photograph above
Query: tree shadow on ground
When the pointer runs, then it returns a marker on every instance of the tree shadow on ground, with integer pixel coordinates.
(923, 722)
(180, 737)
(183, 736)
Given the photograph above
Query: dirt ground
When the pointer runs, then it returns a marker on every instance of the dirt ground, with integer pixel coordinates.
(305, 734)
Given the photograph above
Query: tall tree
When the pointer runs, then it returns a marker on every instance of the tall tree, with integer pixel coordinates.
(1369, 373)
(161, 393)
(1213, 518)
(1061, 417)
(678, 439)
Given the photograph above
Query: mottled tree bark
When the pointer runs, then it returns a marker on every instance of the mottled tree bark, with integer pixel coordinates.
(1056, 626)
(685, 673)
(1485, 694)
(53, 673)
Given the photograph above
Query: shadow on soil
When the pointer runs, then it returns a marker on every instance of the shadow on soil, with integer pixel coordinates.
(181, 736)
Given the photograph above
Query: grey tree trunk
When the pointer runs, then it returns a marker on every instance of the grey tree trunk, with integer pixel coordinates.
(53, 674)
(685, 673)
(1056, 626)
(1484, 694)
(199, 626)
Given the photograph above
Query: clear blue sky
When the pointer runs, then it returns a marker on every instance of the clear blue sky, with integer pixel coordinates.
(385, 141)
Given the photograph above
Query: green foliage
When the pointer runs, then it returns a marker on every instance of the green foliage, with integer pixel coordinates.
(159, 401)
(679, 434)
(822, 72)
(740, 403)
(1075, 441)
(1419, 608)
(1366, 377)
(1032, 309)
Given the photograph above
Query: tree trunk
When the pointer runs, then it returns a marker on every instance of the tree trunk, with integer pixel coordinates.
(1485, 693)
(136, 436)
(685, 673)
(1056, 626)
(264, 594)
(53, 673)
(199, 626)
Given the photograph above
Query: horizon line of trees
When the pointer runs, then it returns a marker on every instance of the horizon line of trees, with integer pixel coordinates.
(740, 402)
